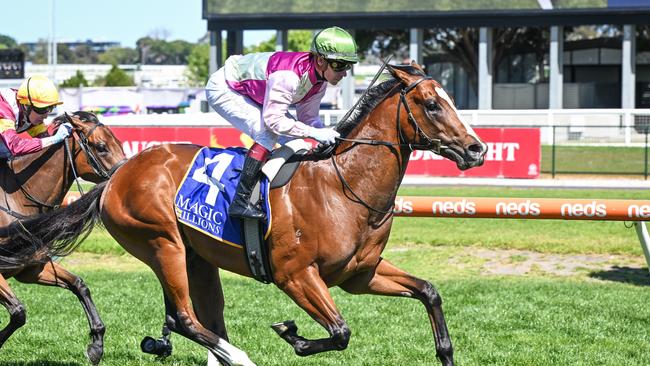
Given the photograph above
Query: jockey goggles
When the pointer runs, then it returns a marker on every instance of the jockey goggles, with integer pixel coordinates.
(41, 111)
(339, 66)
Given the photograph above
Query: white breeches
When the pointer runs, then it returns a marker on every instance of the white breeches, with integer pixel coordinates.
(240, 111)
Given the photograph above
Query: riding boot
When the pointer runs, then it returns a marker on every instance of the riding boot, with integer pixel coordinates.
(241, 206)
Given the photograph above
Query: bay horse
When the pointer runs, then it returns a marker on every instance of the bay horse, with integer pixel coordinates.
(331, 221)
(35, 183)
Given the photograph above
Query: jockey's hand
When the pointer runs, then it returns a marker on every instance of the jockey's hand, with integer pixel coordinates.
(326, 136)
(64, 131)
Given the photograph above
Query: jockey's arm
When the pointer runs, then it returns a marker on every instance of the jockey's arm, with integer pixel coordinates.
(16, 144)
(280, 88)
(308, 110)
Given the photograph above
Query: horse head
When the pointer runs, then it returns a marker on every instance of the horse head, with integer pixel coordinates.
(102, 152)
(428, 119)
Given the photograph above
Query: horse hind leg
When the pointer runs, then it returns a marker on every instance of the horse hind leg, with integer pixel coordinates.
(52, 274)
(207, 296)
(309, 292)
(17, 314)
(169, 264)
(389, 280)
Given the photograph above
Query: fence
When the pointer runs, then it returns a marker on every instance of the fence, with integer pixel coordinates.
(574, 141)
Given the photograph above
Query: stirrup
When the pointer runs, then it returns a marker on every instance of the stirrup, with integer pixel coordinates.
(246, 212)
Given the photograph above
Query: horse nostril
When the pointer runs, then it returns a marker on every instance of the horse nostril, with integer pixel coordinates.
(476, 150)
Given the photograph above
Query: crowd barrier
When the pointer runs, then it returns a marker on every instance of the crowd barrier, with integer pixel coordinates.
(636, 211)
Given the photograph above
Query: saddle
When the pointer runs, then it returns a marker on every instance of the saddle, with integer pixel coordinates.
(279, 169)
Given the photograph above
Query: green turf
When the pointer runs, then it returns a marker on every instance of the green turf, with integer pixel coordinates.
(493, 320)
(594, 160)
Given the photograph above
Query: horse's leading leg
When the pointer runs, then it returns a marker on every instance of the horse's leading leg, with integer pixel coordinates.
(392, 281)
(308, 291)
(169, 264)
(52, 274)
(17, 315)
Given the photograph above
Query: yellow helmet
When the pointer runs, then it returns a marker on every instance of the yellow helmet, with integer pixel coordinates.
(38, 91)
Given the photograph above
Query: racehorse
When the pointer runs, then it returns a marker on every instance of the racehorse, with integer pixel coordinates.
(332, 220)
(35, 183)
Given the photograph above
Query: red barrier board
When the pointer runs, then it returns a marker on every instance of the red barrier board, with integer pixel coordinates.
(512, 152)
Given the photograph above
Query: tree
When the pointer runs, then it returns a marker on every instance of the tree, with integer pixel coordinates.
(77, 80)
(7, 42)
(117, 77)
(198, 65)
(298, 41)
(118, 56)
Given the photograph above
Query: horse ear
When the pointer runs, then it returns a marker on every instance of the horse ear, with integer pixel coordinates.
(417, 66)
(399, 74)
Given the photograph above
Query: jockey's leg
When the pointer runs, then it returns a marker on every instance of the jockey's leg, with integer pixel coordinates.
(308, 291)
(52, 274)
(388, 280)
(250, 175)
(16, 309)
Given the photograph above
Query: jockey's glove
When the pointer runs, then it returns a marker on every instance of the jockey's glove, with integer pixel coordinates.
(325, 136)
(64, 131)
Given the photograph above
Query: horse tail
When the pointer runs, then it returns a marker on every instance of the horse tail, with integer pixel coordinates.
(56, 233)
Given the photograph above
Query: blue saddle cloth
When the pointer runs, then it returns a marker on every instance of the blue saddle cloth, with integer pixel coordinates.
(208, 189)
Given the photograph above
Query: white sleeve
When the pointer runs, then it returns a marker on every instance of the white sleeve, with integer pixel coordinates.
(280, 89)
(308, 110)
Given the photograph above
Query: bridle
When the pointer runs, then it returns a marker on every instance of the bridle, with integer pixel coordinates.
(91, 158)
(432, 144)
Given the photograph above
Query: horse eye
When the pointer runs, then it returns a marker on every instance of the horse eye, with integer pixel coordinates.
(432, 105)
(101, 147)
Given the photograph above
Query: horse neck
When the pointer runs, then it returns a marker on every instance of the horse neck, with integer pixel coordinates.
(375, 172)
(41, 175)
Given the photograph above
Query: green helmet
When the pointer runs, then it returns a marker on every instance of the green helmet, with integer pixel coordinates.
(335, 43)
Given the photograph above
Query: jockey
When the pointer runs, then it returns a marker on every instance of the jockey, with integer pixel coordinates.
(25, 109)
(253, 92)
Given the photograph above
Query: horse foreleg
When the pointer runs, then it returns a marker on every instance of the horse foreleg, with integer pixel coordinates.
(17, 314)
(391, 281)
(309, 292)
(52, 274)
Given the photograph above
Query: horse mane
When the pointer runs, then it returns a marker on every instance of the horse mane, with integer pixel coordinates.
(373, 97)
(82, 115)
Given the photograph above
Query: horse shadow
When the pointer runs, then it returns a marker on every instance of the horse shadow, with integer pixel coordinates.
(633, 276)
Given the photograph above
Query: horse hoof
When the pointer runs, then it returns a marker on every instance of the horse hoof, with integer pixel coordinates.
(94, 354)
(284, 328)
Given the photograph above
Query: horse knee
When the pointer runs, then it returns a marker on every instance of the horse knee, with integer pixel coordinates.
(18, 316)
(341, 337)
(81, 287)
(431, 295)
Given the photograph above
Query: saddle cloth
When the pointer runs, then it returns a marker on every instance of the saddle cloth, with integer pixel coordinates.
(208, 189)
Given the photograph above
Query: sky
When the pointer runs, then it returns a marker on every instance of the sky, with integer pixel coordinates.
(123, 21)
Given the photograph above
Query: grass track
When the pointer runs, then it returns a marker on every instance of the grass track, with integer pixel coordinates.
(493, 320)
(591, 318)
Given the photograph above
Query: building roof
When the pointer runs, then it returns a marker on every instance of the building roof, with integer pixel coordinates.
(361, 14)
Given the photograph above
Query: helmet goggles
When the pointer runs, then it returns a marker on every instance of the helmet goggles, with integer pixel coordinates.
(339, 66)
